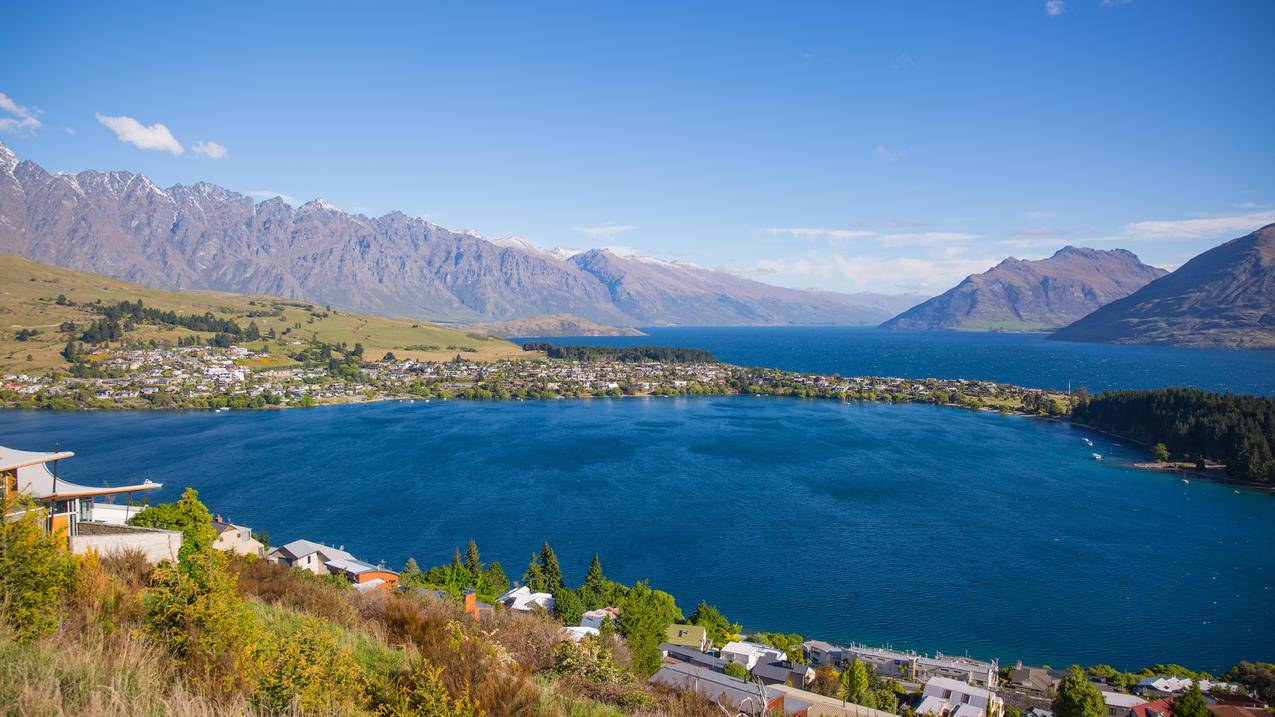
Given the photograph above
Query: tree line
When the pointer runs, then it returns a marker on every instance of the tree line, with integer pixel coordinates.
(625, 354)
(1193, 425)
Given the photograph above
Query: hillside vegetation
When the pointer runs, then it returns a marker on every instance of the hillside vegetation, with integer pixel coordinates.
(215, 634)
(34, 321)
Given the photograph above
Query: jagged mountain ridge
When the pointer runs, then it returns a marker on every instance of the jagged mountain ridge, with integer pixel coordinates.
(1032, 295)
(203, 236)
(1223, 298)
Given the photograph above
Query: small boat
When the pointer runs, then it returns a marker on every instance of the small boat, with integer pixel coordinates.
(1184, 480)
(1097, 457)
(223, 409)
(1087, 442)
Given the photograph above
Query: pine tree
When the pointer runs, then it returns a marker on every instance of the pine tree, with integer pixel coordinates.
(456, 559)
(533, 578)
(411, 574)
(472, 562)
(551, 573)
(594, 580)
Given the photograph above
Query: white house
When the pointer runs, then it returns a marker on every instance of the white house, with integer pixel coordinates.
(749, 654)
(946, 697)
(521, 599)
(1173, 685)
(595, 618)
(576, 633)
(307, 555)
(1119, 704)
(236, 538)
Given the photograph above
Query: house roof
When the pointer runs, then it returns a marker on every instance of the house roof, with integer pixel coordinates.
(301, 548)
(1236, 711)
(35, 479)
(713, 685)
(780, 672)
(1120, 699)
(1159, 708)
(682, 653)
(355, 566)
(11, 458)
(947, 683)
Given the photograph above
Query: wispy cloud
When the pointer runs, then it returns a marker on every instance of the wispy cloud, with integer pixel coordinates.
(23, 121)
(209, 149)
(263, 194)
(1054, 8)
(604, 231)
(1194, 229)
(812, 232)
(868, 273)
(130, 131)
(889, 154)
(925, 238)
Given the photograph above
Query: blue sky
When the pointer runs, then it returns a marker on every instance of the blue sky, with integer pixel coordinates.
(887, 146)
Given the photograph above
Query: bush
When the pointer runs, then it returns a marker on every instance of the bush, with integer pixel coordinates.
(304, 667)
(734, 669)
(35, 570)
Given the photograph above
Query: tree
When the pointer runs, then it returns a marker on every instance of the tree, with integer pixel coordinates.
(594, 580)
(1077, 697)
(736, 670)
(35, 569)
(253, 333)
(389, 356)
(550, 573)
(533, 578)
(497, 582)
(567, 606)
(472, 562)
(1161, 453)
(1191, 703)
(720, 630)
(1257, 676)
(645, 614)
(855, 685)
(411, 574)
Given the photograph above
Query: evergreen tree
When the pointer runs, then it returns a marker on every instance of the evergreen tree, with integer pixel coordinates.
(472, 562)
(411, 574)
(1077, 697)
(550, 573)
(497, 581)
(533, 578)
(1191, 704)
(456, 563)
(253, 333)
(594, 580)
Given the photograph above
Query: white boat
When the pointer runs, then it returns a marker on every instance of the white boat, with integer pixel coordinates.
(1097, 457)
(1088, 442)
(1184, 480)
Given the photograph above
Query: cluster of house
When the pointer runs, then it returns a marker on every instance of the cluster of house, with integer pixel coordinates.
(1032, 689)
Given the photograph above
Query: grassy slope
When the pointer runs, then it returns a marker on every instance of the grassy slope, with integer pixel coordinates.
(28, 291)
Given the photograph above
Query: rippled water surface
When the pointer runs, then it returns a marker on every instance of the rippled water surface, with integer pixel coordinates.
(1023, 359)
(925, 527)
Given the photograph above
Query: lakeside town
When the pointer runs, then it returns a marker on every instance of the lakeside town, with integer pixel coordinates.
(740, 672)
(213, 377)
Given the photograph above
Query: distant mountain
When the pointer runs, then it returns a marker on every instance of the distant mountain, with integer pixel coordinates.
(1222, 298)
(206, 237)
(1018, 295)
(555, 325)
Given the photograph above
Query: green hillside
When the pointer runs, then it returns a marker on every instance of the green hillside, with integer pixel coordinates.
(29, 303)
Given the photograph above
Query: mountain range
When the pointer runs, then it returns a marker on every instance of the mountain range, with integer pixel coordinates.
(1021, 295)
(1222, 298)
(203, 236)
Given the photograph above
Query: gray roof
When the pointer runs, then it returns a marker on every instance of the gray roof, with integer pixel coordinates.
(693, 656)
(779, 672)
(713, 685)
(301, 548)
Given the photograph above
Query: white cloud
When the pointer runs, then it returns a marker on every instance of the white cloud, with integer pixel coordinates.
(23, 122)
(262, 195)
(1193, 229)
(605, 231)
(927, 238)
(131, 131)
(208, 149)
(811, 232)
(1054, 8)
(890, 155)
(869, 273)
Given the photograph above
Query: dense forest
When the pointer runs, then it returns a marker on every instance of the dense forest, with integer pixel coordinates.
(1192, 424)
(629, 354)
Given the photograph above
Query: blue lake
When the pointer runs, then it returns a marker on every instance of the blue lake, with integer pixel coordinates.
(1022, 359)
(925, 527)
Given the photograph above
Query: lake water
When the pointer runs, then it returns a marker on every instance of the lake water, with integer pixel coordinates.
(925, 527)
(1022, 359)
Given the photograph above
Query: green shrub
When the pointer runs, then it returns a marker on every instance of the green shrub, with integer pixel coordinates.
(35, 570)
